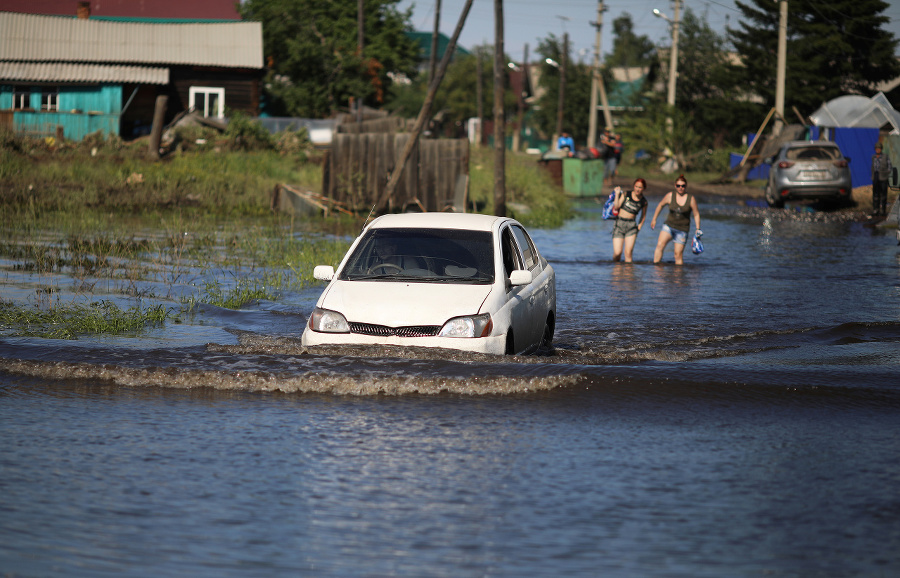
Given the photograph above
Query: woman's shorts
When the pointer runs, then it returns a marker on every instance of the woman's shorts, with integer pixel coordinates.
(677, 236)
(625, 228)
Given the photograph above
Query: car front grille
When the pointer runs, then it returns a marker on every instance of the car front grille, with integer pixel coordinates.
(385, 331)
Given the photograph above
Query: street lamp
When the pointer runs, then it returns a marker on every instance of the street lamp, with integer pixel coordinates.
(552, 62)
(673, 59)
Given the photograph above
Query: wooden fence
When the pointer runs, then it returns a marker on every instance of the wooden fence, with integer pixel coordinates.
(359, 166)
(390, 124)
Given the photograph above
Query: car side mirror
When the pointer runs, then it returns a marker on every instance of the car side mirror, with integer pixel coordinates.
(323, 272)
(895, 177)
(520, 277)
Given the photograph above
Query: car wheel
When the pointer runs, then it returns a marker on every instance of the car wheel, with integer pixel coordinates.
(772, 200)
(510, 343)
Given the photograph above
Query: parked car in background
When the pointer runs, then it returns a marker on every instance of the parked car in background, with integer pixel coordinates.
(448, 280)
(808, 170)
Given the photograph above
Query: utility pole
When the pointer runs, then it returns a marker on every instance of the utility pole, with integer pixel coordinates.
(479, 97)
(562, 84)
(424, 114)
(673, 61)
(360, 27)
(782, 65)
(434, 40)
(499, 117)
(517, 136)
(597, 82)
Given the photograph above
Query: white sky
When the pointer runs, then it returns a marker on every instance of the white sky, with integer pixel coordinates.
(527, 21)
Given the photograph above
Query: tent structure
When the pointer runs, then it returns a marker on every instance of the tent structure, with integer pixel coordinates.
(854, 111)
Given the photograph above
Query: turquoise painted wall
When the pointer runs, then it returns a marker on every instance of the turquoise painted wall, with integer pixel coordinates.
(82, 111)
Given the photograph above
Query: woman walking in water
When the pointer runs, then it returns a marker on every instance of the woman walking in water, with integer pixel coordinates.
(678, 222)
(627, 227)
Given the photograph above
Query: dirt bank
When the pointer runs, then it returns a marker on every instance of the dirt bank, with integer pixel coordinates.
(862, 196)
(659, 187)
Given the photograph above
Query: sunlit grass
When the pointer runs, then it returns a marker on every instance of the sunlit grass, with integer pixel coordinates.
(531, 195)
(68, 321)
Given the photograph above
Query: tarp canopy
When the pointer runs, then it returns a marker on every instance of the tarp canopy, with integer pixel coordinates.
(854, 111)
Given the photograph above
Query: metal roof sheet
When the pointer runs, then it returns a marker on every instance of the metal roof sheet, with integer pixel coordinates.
(70, 72)
(30, 37)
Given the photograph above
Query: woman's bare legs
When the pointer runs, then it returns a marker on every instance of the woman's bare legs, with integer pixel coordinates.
(617, 248)
(664, 238)
(629, 247)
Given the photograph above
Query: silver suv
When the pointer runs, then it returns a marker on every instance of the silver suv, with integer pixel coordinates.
(809, 170)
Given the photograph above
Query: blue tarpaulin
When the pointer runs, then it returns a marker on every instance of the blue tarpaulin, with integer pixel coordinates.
(857, 144)
(760, 172)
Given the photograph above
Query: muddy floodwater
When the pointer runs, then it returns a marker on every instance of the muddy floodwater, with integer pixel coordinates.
(737, 416)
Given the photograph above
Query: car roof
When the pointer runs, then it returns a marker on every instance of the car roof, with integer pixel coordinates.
(467, 221)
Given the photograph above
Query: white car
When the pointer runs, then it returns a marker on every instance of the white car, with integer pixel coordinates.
(451, 280)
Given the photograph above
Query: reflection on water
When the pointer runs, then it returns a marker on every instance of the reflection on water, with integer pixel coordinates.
(734, 416)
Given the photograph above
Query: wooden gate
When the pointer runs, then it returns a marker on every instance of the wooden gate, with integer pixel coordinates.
(359, 166)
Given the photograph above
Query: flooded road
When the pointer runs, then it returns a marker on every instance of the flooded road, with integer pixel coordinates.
(739, 415)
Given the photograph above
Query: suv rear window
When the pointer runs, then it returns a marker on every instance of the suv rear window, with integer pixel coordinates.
(813, 153)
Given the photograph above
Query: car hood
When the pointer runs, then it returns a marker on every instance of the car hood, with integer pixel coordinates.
(397, 304)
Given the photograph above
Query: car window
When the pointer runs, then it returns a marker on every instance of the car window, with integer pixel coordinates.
(425, 255)
(813, 153)
(529, 254)
(512, 260)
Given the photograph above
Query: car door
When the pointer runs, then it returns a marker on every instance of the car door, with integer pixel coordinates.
(536, 293)
(518, 297)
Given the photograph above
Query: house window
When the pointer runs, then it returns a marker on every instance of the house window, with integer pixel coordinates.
(50, 99)
(21, 98)
(208, 101)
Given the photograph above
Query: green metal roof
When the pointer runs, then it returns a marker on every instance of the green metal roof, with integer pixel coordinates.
(424, 40)
(627, 95)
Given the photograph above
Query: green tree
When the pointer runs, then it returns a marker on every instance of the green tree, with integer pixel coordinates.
(456, 99)
(834, 47)
(576, 108)
(311, 49)
(706, 91)
(629, 49)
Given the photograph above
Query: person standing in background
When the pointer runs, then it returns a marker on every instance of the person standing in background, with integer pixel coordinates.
(609, 155)
(618, 147)
(881, 171)
(566, 143)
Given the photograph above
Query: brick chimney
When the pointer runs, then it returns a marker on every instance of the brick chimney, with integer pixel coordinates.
(84, 10)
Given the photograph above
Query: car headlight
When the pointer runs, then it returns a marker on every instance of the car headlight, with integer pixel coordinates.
(327, 321)
(468, 326)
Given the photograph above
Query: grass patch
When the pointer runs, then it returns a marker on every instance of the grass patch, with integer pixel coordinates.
(531, 195)
(74, 319)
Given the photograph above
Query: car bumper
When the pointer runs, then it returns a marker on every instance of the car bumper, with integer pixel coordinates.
(494, 344)
(817, 192)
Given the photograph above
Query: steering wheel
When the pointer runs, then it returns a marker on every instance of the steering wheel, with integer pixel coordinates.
(384, 267)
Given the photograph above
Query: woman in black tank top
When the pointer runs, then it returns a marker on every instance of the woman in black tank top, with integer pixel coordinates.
(678, 223)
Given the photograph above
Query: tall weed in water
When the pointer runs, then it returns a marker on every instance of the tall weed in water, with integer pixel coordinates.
(68, 321)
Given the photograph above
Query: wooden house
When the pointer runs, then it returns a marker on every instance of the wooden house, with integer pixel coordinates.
(82, 74)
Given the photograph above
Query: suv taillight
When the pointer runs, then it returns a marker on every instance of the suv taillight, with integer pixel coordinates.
(785, 165)
(841, 164)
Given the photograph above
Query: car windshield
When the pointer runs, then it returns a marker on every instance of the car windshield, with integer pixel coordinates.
(813, 153)
(423, 255)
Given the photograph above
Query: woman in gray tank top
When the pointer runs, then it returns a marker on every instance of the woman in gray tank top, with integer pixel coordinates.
(678, 223)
